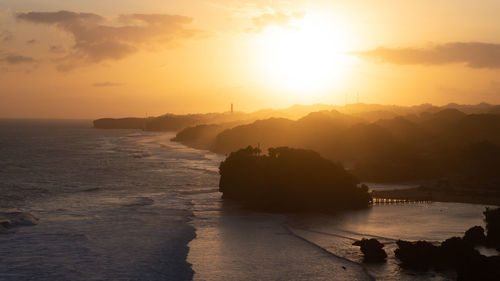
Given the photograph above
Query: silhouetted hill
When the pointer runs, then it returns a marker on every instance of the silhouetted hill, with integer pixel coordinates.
(175, 122)
(169, 122)
(289, 180)
(376, 142)
(445, 142)
(480, 108)
(403, 128)
(273, 130)
(373, 116)
(366, 112)
(495, 110)
(122, 123)
(201, 136)
(479, 127)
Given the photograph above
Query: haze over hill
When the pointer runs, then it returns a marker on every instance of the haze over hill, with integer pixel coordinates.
(249, 140)
(368, 112)
(377, 142)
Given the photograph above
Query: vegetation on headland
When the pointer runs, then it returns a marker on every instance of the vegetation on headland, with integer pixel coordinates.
(288, 179)
(453, 149)
(448, 144)
(444, 144)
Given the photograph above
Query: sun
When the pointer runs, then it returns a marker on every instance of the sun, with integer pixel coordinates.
(305, 58)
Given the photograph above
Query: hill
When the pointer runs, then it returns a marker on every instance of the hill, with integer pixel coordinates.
(289, 179)
(404, 148)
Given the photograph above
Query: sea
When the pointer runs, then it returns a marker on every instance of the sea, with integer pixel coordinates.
(133, 205)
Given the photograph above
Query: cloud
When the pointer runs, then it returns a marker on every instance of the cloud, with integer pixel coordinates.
(472, 54)
(107, 84)
(31, 42)
(6, 36)
(274, 19)
(17, 59)
(57, 49)
(64, 18)
(97, 39)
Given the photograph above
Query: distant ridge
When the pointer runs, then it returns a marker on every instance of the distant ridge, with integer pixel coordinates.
(368, 112)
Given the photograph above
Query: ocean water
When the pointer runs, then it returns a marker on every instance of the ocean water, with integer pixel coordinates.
(132, 205)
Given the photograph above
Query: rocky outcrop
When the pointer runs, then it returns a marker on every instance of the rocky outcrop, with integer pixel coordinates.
(492, 219)
(479, 267)
(475, 235)
(372, 250)
(419, 255)
(454, 253)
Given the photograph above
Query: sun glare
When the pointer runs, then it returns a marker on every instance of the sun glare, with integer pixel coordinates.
(305, 58)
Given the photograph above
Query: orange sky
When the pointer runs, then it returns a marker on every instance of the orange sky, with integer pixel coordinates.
(89, 58)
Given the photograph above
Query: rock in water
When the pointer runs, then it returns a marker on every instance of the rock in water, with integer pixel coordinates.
(492, 219)
(479, 267)
(475, 236)
(372, 249)
(454, 251)
(419, 255)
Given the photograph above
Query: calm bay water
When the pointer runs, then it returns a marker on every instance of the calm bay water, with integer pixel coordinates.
(131, 205)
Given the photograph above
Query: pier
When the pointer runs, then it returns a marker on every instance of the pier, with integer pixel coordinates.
(378, 200)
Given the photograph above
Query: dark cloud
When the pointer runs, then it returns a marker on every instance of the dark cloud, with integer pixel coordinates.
(97, 39)
(65, 18)
(6, 36)
(161, 19)
(274, 19)
(17, 59)
(107, 84)
(31, 42)
(96, 52)
(472, 54)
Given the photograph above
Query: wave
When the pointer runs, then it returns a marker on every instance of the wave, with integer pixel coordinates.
(92, 189)
(141, 155)
(193, 192)
(352, 238)
(15, 219)
(140, 201)
(295, 234)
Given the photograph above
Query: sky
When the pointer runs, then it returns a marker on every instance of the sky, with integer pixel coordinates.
(91, 59)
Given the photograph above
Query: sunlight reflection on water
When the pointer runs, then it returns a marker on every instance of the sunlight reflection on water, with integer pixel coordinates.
(101, 195)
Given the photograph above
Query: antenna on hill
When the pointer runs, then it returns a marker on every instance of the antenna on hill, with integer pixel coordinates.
(231, 107)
